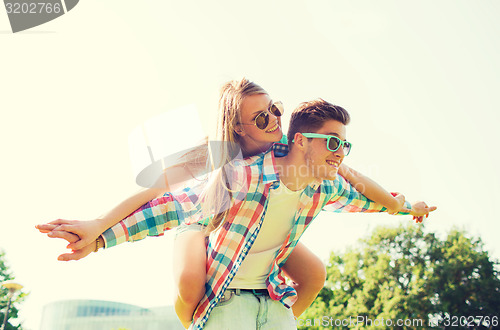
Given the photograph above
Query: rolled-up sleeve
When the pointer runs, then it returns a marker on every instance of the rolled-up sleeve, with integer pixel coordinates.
(345, 198)
(155, 217)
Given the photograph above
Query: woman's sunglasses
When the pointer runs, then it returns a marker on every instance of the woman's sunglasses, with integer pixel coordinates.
(333, 143)
(262, 119)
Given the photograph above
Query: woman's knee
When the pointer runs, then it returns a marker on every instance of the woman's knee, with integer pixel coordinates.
(305, 268)
(317, 275)
(191, 287)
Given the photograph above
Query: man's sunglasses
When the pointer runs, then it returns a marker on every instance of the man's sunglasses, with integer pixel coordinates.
(262, 119)
(333, 143)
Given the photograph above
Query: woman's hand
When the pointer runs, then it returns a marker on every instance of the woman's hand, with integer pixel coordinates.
(79, 234)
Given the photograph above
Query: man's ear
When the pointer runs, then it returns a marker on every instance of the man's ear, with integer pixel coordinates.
(300, 141)
(239, 130)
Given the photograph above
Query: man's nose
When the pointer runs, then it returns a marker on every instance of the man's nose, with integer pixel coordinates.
(340, 153)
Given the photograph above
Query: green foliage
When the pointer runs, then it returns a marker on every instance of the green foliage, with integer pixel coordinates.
(466, 279)
(404, 274)
(6, 275)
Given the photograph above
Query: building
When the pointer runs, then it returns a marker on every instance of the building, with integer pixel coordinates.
(106, 315)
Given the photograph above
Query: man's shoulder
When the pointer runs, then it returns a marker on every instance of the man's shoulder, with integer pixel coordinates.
(280, 149)
(334, 185)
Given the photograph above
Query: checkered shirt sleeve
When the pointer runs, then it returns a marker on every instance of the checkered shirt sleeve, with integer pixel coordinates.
(155, 217)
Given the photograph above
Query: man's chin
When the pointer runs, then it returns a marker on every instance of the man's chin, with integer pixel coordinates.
(331, 175)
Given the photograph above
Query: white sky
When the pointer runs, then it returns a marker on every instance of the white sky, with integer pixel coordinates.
(417, 77)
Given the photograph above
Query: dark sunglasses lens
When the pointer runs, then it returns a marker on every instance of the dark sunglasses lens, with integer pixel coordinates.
(276, 109)
(333, 144)
(262, 120)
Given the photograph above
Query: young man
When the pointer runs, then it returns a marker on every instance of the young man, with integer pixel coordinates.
(276, 200)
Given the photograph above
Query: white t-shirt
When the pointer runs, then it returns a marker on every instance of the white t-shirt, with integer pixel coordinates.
(276, 226)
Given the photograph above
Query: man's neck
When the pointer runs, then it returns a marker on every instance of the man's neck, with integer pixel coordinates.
(289, 170)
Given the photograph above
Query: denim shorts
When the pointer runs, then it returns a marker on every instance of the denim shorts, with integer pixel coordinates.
(192, 227)
(196, 227)
(246, 310)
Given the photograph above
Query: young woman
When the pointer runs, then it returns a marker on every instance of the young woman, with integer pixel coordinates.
(249, 118)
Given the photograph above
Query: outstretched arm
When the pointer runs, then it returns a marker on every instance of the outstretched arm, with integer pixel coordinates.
(345, 198)
(369, 188)
(151, 219)
(88, 231)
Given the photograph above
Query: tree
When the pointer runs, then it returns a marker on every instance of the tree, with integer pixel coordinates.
(467, 281)
(6, 275)
(407, 275)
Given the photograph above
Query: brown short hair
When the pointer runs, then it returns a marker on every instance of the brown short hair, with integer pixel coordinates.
(310, 116)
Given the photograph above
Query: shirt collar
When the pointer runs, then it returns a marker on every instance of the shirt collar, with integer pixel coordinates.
(266, 162)
(269, 170)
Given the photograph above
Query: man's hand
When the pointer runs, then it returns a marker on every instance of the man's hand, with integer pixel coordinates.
(78, 254)
(78, 233)
(419, 210)
(400, 203)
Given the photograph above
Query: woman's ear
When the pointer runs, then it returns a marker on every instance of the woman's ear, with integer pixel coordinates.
(239, 130)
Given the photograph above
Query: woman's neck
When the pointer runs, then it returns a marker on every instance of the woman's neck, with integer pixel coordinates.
(252, 149)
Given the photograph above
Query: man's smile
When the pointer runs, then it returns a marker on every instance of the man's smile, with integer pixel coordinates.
(334, 163)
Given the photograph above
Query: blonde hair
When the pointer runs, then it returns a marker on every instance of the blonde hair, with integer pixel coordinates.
(232, 95)
(218, 195)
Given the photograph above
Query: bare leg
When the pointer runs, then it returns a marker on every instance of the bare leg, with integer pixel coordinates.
(308, 273)
(189, 273)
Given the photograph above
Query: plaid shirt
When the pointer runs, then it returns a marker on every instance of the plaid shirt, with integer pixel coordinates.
(229, 245)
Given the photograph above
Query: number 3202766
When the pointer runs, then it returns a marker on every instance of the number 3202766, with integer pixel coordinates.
(454, 321)
(32, 8)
